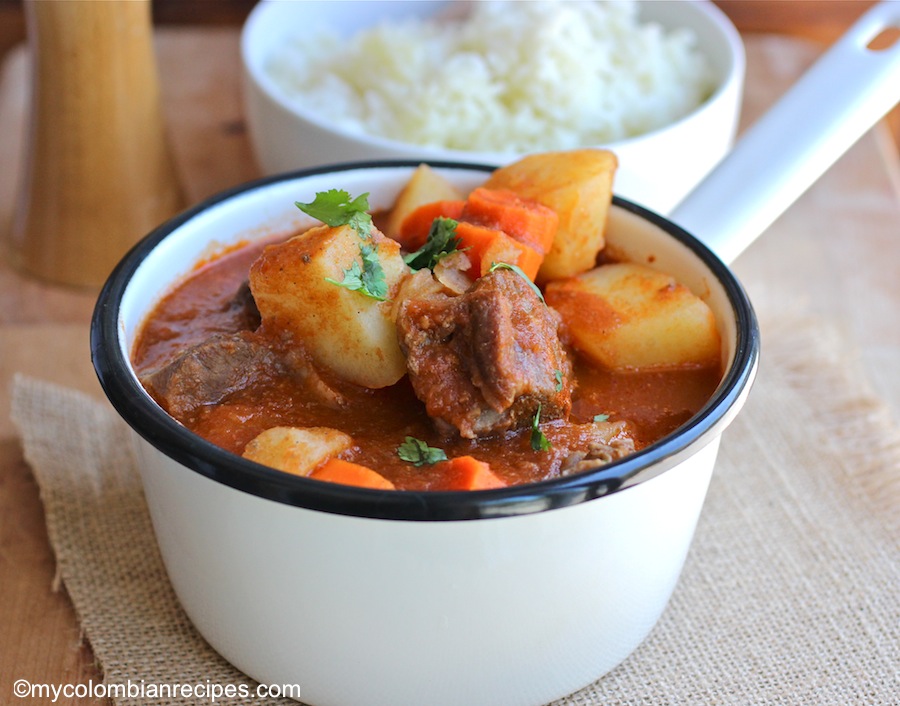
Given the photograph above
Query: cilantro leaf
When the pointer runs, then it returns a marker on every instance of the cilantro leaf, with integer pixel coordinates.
(601, 417)
(441, 242)
(335, 207)
(418, 453)
(559, 379)
(518, 271)
(374, 281)
(367, 279)
(539, 441)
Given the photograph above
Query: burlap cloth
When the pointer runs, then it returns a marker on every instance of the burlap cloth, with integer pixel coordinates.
(790, 595)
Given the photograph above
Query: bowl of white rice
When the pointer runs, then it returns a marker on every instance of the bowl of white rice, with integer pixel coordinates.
(658, 83)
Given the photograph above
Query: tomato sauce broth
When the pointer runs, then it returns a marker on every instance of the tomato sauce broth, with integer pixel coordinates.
(654, 403)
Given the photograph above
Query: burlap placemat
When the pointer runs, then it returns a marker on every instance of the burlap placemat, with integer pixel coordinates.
(789, 596)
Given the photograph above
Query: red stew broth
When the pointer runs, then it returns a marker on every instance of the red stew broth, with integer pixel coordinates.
(654, 403)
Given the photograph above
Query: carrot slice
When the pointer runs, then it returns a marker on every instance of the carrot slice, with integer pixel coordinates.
(476, 240)
(512, 252)
(337, 470)
(467, 473)
(522, 219)
(485, 246)
(414, 228)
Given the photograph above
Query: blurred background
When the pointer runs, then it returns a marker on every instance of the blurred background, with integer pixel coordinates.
(820, 21)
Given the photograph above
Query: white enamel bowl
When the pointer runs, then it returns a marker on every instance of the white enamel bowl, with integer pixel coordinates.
(657, 169)
(513, 596)
(362, 597)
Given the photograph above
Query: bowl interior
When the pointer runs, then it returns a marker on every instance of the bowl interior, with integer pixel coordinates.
(266, 207)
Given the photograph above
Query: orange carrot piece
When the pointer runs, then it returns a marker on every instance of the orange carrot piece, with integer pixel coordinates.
(485, 246)
(523, 219)
(512, 252)
(414, 228)
(476, 240)
(468, 473)
(336, 470)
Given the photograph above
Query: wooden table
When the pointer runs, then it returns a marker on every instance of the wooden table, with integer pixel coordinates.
(835, 254)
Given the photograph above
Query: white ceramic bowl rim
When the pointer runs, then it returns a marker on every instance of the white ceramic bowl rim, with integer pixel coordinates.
(732, 72)
(162, 431)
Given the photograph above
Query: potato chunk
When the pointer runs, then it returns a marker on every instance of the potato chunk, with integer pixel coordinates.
(297, 450)
(424, 186)
(577, 185)
(626, 316)
(343, 330)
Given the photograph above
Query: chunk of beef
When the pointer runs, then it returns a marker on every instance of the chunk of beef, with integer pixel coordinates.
(208, 372)
(484, 361)
(588, 446)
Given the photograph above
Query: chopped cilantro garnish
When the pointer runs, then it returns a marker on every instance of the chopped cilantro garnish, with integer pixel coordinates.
(441, 242)
(539, 441)
(601, 417)
(559, 379)
(418, 453)
(518, 271)
(336, 208)
(368, 279)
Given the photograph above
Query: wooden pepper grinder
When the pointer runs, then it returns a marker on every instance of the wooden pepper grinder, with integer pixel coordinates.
(98, 170)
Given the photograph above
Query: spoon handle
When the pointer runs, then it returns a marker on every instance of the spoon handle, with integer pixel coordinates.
(843, 94)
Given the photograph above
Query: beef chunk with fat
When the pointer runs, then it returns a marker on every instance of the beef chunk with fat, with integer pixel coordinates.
(483, 361)
(208, 372)
(587, 446)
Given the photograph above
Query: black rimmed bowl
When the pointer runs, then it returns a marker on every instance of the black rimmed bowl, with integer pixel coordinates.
(360, 597)
(514, 596)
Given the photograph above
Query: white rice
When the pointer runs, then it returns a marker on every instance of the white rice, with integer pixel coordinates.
(512, 77)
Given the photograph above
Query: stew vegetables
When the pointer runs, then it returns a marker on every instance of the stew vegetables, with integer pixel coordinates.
(455, 342)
